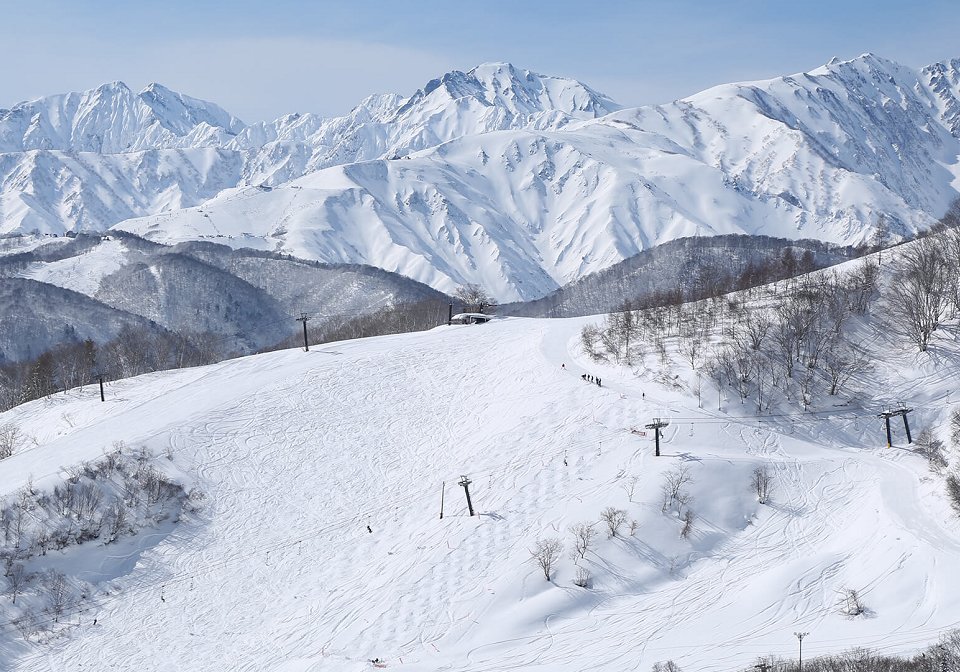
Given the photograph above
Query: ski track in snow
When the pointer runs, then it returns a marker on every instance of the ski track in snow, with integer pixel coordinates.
(299, 452)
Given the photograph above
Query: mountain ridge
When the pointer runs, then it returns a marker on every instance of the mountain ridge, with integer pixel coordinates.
(523, 182)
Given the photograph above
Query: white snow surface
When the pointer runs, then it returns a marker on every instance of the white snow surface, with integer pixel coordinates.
(299, 451)
(81, 273)
(515, 181)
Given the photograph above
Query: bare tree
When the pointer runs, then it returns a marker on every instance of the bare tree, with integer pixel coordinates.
(116, 519)
(921, 298)
(58, 593)
(881, 237)
(931, 448)
(687, 518)
(474, 298)
(761, 481)
(842, 361)
(10, 438)
(620, 335)
(590, 341)
(691, 346)
(545, 553)
(754, 329)
(673, 484)
(582, 577)
(614, 518)
(17, 579)
(953, 492)
(852, 605)
(630, 487)
(583, 536)
(955, 428)
(668, 666)
(861, 286)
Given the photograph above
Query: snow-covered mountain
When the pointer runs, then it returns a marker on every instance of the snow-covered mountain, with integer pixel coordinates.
(498, 176)
(113, 119)
(64, 290)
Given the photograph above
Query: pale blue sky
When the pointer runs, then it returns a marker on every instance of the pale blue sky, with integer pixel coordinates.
(263, 59)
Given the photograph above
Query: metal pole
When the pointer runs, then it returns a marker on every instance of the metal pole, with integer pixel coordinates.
(102, 398)
(889, 437)
(443, 490)
(906, 426)
(449, 314)
(465, 482)
(800, 636)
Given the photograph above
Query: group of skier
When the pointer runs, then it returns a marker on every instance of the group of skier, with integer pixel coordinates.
(591, 379)
(585, 376)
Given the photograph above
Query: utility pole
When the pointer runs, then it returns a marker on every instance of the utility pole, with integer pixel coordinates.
(800, 636)
(304, 318)
(100, 378)
(902, 412)
(465, 482)
(449, 314)
(443, 491)
(656, 426)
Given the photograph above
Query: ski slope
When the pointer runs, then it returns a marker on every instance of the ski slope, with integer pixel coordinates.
(298, 452)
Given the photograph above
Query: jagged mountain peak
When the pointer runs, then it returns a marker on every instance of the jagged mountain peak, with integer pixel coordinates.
(112, 119)
(181, 113)
(516, 91)
(113, 87)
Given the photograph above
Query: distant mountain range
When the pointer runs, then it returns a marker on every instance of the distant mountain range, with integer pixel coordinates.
(519, 182)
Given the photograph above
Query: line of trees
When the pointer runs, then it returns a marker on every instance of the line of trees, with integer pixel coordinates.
(944, 655)
(134, 351)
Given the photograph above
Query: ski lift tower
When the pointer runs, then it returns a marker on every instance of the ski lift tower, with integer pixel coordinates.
(656, 426)
(902, 412)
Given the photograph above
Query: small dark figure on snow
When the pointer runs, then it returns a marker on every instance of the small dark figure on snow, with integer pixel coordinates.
(598, 382)
(369, 529)
(563, 366)
(583, 376)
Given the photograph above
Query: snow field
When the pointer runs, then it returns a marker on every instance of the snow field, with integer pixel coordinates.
(298, 452)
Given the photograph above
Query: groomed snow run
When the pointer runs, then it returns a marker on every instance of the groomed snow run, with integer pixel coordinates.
(299, 452)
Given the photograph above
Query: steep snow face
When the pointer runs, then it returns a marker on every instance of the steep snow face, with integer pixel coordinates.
(943, 80)
(57, 191)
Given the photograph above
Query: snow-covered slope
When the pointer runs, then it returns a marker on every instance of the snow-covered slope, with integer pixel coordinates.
(298, 453)
(498, 176)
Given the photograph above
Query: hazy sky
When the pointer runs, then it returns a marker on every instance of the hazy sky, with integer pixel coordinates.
(263, 59)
